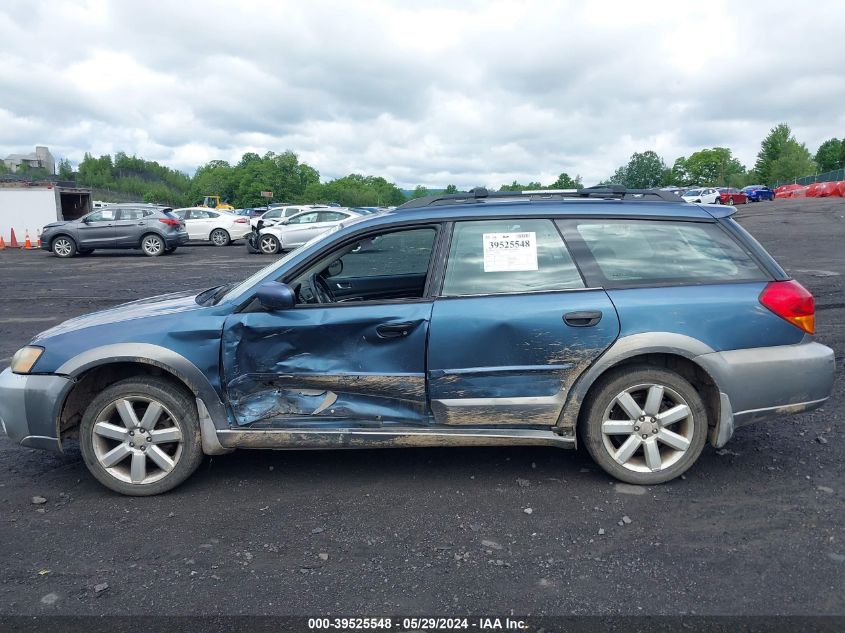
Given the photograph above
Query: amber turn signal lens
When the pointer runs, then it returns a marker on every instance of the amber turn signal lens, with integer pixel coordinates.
(25, 358)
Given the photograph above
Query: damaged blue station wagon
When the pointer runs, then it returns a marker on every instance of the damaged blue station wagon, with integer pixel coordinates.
(634, 323)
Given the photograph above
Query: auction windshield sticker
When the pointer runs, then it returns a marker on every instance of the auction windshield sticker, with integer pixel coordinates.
(504, 252)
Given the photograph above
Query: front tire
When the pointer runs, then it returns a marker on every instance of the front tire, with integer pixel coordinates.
(63, 247)
(141, 436)
(220, 237)
(644, 425)
(152, 245)
(269, 245)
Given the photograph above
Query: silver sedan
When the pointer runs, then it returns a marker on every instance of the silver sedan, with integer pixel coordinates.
(294, 231)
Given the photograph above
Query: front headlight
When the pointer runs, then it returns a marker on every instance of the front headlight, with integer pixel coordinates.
(25, 358)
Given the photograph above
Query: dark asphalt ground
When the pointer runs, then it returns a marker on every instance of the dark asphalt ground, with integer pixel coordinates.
(758, 528)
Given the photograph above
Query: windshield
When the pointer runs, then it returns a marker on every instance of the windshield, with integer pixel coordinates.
(252, 279)
(693, 192)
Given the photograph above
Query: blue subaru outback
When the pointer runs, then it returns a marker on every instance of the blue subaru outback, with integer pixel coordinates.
(640, 326)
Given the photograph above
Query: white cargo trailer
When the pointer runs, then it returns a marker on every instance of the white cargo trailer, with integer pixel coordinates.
(28, 207)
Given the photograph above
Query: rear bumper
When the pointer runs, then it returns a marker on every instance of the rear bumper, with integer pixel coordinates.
(239, 231)
(29, 408)
(176, 239)
(765, 382)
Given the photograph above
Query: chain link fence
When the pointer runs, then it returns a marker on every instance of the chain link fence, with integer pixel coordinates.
(830, 176)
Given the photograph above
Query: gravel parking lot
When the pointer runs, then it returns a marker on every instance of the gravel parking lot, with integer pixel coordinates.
(755, 528)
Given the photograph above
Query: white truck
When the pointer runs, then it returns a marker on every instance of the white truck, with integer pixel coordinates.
(29, 206)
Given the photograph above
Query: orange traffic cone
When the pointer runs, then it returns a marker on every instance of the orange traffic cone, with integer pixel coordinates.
(27, 244)
(2, 243)
(38, 245)
(13, 243)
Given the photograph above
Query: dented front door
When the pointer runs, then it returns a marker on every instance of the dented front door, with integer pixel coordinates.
(332, 365)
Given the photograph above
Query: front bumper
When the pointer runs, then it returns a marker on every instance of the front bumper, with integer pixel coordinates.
(30, 407)
(766, 382)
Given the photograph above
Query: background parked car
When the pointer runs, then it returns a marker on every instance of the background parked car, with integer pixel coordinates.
(729, 195)
(706, 195)
(219, 227)
(250, 212)
(757, 193)
(293, 232)
(155, 230)
(275, 215)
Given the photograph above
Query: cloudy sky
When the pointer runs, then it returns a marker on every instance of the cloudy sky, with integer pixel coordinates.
(428, 93)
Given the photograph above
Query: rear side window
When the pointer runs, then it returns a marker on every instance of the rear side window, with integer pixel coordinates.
(630, 252)
(508, 256)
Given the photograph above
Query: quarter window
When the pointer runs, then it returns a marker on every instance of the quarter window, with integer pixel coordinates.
(508, 256)
(641, 251)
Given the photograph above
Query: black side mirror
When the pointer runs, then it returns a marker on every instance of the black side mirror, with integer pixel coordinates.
(276, 296)
(259, 225)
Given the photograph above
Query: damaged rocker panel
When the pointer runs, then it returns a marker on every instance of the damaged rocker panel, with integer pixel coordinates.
(299, 438)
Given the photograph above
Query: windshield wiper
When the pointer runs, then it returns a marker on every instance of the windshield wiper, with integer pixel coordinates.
(211, 296)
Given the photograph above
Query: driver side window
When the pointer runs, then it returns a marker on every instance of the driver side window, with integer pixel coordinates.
(386, 267)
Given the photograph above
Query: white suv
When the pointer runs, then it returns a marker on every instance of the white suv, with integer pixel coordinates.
(218, 227)
(708, 195)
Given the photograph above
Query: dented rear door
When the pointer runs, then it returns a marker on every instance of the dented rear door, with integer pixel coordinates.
(515, 325)
(328, 365)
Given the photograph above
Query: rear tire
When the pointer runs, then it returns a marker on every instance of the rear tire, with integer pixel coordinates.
(63, 247)
(152, 245)
(220, 237)
(731, 201)
(144, 463)
(650, 436)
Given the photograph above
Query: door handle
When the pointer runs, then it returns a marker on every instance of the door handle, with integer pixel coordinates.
(395, 330)
(586, 318)
(343, 285)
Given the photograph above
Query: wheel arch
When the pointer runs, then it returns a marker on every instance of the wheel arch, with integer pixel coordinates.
(149, 232)
(63, 234)
(662, 349)
(95, 369)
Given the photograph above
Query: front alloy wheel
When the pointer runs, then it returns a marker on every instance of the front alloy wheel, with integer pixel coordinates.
(64, 247)
(268, 245)
(644, 425)
(141, 436)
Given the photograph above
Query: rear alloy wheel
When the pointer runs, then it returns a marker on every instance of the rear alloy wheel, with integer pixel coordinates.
(64, 247)
(141, 436)
(220, 237)
(645, 425)
(152, 245)
(268, 245)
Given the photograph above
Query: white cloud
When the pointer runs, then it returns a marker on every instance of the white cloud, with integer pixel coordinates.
(422, 93)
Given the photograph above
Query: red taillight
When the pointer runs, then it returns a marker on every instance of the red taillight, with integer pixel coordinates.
(791, 301)
(241, 221)
(170, 222)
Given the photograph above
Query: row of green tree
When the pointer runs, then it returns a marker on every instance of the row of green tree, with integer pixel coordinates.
(781, 158)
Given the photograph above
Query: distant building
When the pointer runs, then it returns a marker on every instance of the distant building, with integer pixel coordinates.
(41, 157)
